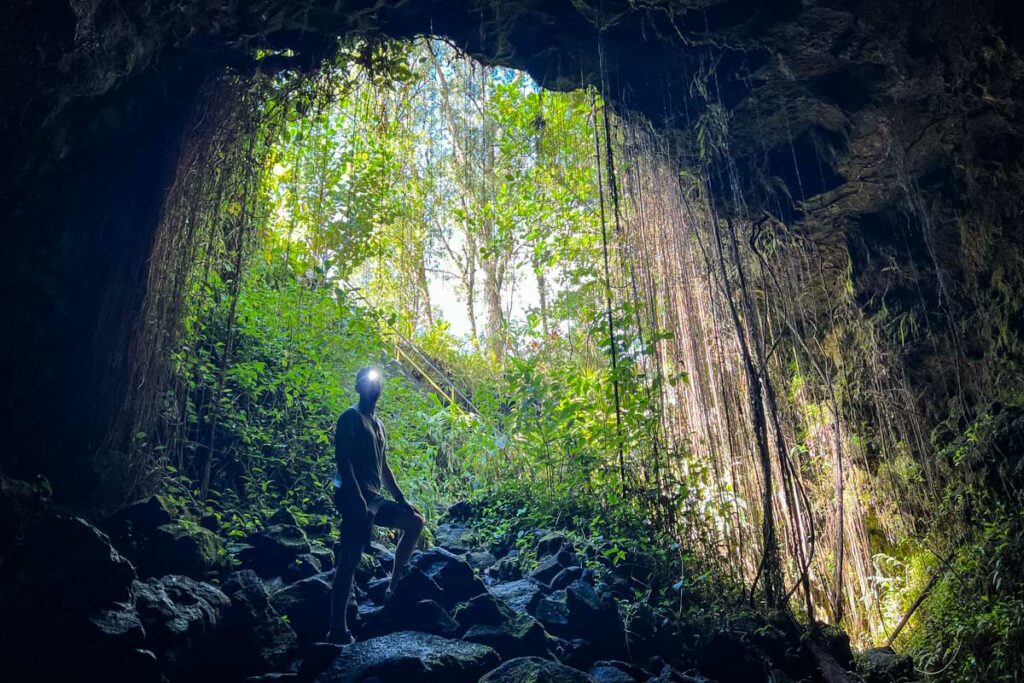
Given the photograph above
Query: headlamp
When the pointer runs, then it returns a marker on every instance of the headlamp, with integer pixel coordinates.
(373, 376)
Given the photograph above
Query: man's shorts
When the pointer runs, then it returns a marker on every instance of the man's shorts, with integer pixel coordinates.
(355, 528)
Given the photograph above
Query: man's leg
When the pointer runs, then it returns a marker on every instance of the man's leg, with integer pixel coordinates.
(348, 558)
(411, 525)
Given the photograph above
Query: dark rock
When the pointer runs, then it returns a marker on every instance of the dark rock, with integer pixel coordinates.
(490, 622)
(307, 604)
(725, 656)
(368, 569)
(553, 613)
(377, 589)
(577, 653)
(118, 628)
(565, 577)
(837, 643)
(381, 554)
(429, 617)
(317, 660)
(410, 656)
(506, 569)
(323, 555)
(517, 636)
(535, 670)
(159, 540)
(459, 511)
(455, 538)
(271, 678)
(551, 565)
(303, 567)
(64, 591)
(613, 672)
(68, 564)
(452, 574)
(551, 544)
(480, 560)
(253, 638)
(181, 617)
(503, 546)
(274, 548)
(522, 596)
(482, 609)
(548, 569)
(398, 612)
(578, 612)
(883, 665)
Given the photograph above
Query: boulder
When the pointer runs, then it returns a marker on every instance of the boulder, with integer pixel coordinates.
(480, 560)
(578, 612)
(452, 574)
(725, 656)
(68, 564)
(551, 544)
(565, 577)
(159, 540)
(272, 549)
(506, 569)
(884, 665)
(181, 617)
(489, 622)
(617, 672)
(410, 656)
(550, 566)
(253, 637)
(461, 510)
(522, 596)
(317, 659)
(307, 604)
(397, 613)
(455, 538)
(535, 670)
(303, 567)
(64, 590)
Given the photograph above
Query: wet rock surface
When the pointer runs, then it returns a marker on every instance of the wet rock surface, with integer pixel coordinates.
(441, 623)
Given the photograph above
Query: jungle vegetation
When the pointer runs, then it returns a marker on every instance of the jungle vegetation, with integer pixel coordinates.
(639, 365)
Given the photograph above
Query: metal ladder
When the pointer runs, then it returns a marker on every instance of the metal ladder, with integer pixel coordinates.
(411, 358)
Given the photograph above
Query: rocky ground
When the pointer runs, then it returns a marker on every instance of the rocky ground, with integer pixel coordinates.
(145, 596)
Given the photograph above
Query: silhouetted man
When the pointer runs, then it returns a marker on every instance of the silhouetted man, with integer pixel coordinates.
(360, 451)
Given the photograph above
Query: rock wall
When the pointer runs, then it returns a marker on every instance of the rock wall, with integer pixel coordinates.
(893, 128)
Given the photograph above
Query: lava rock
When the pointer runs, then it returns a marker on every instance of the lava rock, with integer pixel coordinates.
(551, 544)
(490, 622)
(253, 638)
(506, 569)
(550, 566)
(617, 672)
(725, 656)
(410, 656)
(461, 510)
(480, 560)
(452, 574)
(159, 540)
(303, 567)
(535, 670)
(522, 596)
(565, 577)
(317, 660)
(455, 538)
(181, 617)
(307, 604)
(884, 665)
(578, 612)
(271, 550)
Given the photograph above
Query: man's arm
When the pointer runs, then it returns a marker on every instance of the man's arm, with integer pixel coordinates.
(343, 459)
(389, 477)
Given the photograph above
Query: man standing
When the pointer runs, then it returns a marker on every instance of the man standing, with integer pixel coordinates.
(360, 451)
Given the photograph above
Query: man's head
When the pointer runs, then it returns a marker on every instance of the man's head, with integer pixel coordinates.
(369, 382)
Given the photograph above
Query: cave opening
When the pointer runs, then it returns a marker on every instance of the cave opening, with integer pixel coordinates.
(726, 292)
